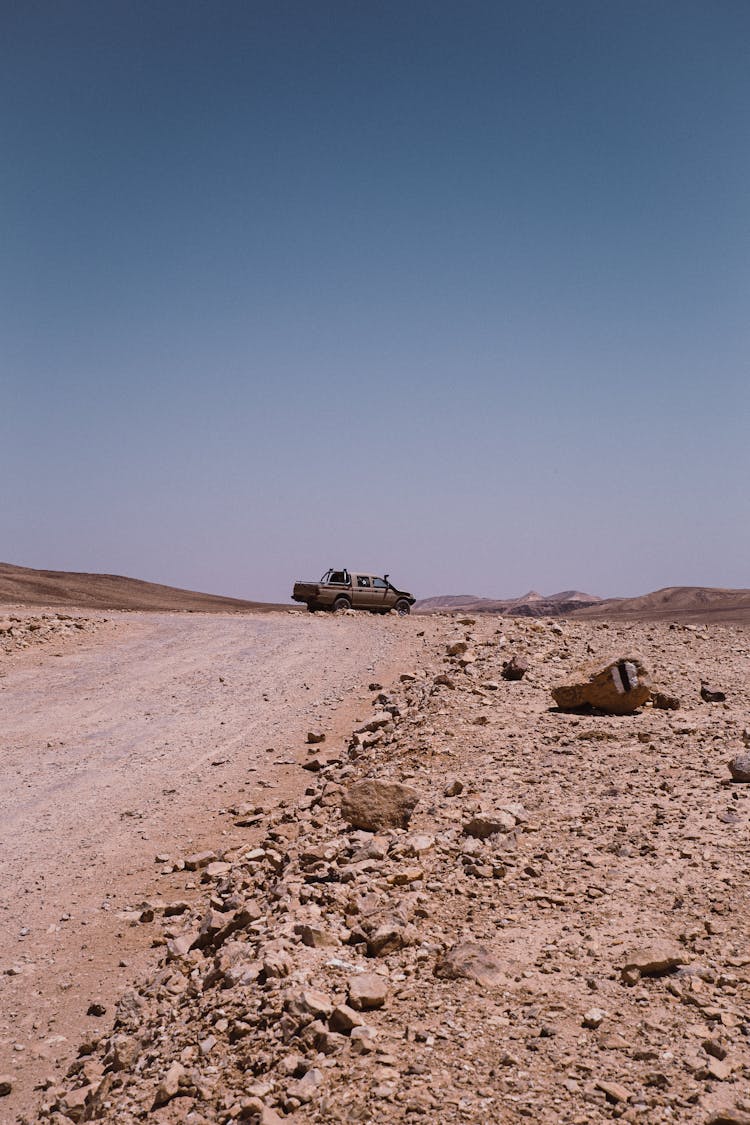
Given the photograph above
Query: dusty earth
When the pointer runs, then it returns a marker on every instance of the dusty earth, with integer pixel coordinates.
(558, 931)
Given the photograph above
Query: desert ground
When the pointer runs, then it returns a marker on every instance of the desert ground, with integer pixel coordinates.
(527, 915)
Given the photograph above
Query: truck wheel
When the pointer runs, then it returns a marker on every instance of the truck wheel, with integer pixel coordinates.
(402, 608)
(311, 607)
(340, 604)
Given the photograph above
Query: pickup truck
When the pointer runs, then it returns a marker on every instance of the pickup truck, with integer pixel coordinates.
(339, 589)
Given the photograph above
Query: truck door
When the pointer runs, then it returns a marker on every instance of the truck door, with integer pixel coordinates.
(363, 592)
(380, 598)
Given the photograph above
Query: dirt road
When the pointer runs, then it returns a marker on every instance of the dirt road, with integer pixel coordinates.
(130, 744)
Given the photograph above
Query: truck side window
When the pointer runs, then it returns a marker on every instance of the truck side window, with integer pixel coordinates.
(379, 584)
(362, 581)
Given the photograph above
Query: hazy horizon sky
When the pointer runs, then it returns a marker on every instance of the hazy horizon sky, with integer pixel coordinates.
(454, 291)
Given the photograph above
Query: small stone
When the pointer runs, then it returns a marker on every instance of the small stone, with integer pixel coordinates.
(515, 668)
(471, 961)
(711, 694)
(715, 1048)
(652, 961)
(487, 824)
(96, 1009)
(719, 1069)
(6, 1084)
(363, 1039)
(739, 767)
(344, 1019)
(367, 991)
(123, 1052)
(305, 1088)
(373, 805)
(169, 1087)
(665, 700)
(453, 788)
(316, 1003)
(315, 937)
(613, 1091)
(728, 1115)
(444, 680)
(314, 737)
(74, 1103)
(418, 845)
(593, 1018)
(200, 860)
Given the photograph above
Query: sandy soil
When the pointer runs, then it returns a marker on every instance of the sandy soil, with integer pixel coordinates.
(129, 742)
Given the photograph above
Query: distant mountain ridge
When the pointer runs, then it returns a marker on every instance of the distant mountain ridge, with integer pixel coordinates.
(531, 604)
(677, 603)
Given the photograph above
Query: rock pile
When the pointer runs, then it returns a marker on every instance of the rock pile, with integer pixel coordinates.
(22, 630)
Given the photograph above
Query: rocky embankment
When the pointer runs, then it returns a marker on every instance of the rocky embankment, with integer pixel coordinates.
(482, 909)
(23, 630)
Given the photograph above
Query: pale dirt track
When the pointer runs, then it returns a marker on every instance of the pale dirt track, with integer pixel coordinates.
(128, 744)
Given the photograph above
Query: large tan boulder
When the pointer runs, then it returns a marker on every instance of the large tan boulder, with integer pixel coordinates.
(373, 805)
(618, 686)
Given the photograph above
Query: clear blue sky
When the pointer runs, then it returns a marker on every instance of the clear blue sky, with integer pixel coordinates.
(454, 290)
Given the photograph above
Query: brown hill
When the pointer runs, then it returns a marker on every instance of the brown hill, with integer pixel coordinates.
(677, 603)
(531, 604)
(22, 585)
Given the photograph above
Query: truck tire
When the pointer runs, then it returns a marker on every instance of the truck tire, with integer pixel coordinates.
(311, 607)
(341, 604)
(402, 607)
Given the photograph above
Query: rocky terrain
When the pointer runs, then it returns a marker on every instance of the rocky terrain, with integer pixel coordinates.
(24, 630)
(474, 908)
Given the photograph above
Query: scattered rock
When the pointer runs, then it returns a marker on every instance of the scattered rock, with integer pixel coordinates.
(199, 860)
(483, 825)
(613, 1091)
(728, 1115)
(367, 991)
(6, 1084)
(344, 1019)
(170, 1085)
(654, 960)
(515, 668)
(739, 767)
(470, 961)
(711, 694)
(665, 700)
(314, 737)
(374, 805)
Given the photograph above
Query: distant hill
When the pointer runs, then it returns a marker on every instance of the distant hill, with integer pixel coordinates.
(531, 604)
(20, 584)
(677, 603)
